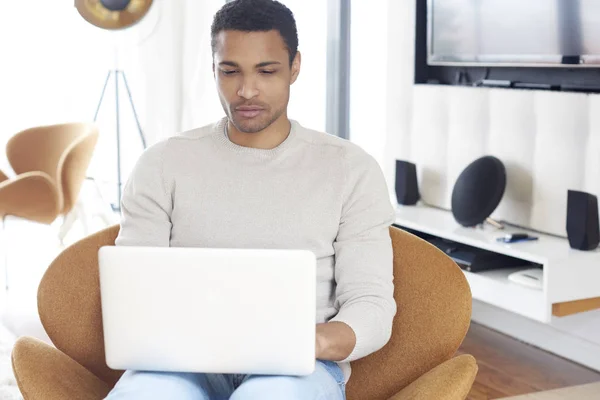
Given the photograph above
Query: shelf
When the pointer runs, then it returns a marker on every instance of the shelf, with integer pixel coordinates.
(493, 287)
(570, 276)
(441, 223)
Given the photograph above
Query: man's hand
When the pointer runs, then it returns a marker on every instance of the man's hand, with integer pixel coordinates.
(335, 341)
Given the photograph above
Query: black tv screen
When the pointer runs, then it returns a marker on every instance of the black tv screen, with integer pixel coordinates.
(514, 33)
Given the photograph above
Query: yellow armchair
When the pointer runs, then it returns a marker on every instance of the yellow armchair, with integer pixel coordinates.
(419, 363)
(50, 163)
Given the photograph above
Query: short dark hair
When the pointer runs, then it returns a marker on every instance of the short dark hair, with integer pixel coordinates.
(257, 16)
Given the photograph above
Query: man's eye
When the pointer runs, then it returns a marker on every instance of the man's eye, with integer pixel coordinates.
(228, 72)
(267, 72)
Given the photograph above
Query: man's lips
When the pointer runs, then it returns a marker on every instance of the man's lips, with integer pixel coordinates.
(248, 111)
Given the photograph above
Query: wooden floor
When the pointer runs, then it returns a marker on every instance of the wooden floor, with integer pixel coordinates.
(508, 367)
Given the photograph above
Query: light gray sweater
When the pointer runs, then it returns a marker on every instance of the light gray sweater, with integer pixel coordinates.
(314, 191)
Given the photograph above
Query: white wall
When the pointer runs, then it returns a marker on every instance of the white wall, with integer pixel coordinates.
(549, 142)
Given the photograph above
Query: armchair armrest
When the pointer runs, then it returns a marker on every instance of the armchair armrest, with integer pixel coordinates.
(451, 380)
(45, 373)
(31, 195)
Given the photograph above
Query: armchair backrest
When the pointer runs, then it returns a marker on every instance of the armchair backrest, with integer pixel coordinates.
(69, 303)
(62, 151)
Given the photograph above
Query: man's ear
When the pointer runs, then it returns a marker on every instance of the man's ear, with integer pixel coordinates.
(296, 67)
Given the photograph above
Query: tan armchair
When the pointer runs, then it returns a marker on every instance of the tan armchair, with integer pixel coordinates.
(434, 309)
(50, 163)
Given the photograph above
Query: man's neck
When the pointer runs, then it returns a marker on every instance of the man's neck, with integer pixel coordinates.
(267, 139)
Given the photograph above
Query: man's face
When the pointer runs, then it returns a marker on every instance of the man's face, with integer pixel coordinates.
(253, 76)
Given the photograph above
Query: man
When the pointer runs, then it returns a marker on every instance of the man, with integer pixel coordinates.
(256, 179)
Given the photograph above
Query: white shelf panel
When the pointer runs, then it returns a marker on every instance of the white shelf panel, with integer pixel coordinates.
(570, 280)
(493, 287)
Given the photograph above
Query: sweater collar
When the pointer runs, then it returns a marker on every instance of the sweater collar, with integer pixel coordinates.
(223, 139)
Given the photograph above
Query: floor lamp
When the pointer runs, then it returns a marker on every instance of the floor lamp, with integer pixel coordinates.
(116, 15)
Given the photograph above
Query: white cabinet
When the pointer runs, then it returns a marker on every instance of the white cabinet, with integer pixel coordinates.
(571, 277)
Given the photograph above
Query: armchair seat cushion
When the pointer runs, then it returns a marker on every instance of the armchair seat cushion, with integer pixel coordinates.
(51, 374)
(448, 381)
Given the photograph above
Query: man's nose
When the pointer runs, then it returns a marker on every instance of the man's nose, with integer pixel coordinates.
(248, 90)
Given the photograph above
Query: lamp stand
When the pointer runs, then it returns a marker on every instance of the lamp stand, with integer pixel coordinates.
(116, 73)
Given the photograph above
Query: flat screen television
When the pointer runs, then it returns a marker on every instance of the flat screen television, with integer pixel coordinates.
(515, 33)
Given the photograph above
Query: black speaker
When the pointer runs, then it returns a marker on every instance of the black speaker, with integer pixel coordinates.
(407, 186)
(582, 220)
(478, 191)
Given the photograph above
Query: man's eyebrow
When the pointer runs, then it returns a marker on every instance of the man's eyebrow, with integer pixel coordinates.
(260, 65)
(267, 63)
(229, 63)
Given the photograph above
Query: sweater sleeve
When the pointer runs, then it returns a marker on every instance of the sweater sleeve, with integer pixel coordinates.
(146, 203)
(364, 258)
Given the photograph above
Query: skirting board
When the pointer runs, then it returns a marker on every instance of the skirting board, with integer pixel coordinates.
(543, 336)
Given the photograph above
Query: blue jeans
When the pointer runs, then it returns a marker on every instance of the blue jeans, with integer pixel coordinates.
(325, 383)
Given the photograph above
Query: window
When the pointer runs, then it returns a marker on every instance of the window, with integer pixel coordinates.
(368, 78)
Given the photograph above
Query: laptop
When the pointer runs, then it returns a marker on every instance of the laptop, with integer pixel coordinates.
(242, 311)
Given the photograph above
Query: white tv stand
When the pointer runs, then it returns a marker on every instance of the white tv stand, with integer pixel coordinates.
(571, 278)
